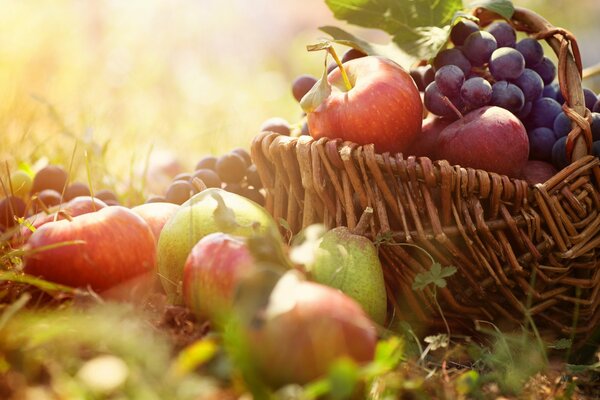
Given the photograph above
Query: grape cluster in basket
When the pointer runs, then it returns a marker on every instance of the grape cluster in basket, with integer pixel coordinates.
(232, 171)
(489, 67)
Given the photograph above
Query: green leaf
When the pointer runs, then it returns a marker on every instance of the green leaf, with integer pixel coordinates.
(561, 344)
(340, 36)
(195, 355)
(343, 377)
(436, 275)
(318, 93)
(467, 382)
(504, 8)
(418, 27)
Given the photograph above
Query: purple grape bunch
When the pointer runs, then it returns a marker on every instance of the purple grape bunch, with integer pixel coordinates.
(493, 67)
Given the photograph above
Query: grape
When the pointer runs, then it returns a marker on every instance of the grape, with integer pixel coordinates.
(435, 103)
(530, 83)
(506, 63)
(179, 192)
(550, 90)
(253, 178)
(209, 177)
(20, 183)
(452, 57)
(244, 154)
(479, 46)
(253, 194)
(76, 189)
(462, 30)
(49, 177)
(106, 195)
(561, 125)
(525, 111)
(207, 162)
(546, 69)
(504, 34)
(590, 98)
(559, 96)
(532, 51)
(595, 126)
(276, 124)
(423, 75)
(304, 130)
(332, 65)
(508, 96)
(541, 141)
(559, 153)
(49, 197)
(449, 80)
(11, 207)
(476, 92)
(231, 168)
(596, 107)
(234, 188)
(596, 148)
(544, 111)
(184, 176)
(352, 54)
(302, 85)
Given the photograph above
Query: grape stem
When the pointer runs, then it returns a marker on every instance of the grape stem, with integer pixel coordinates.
(347, 83)
(452, 107)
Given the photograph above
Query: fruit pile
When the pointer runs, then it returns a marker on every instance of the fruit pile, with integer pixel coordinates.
(233, 172)
(491, 68)
(48, 188)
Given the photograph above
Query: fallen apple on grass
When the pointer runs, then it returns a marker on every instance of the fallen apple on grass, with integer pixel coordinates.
(99, 249)
(366, 100)
(306, 328)
(156, 215)
(212, 210)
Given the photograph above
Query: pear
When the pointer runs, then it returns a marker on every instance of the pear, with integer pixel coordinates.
(349, 262)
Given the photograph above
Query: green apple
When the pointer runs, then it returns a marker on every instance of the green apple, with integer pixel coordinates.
(212, 210)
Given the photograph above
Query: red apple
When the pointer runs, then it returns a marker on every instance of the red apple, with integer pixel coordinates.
(382, 107)
(212, 271)
(307, 327)
(78, 206)
(117, 245)
(536, 171)
(425, 144)
(156, 215)
(488, 138)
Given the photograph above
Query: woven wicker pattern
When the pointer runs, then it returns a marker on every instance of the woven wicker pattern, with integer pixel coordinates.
(515, 246)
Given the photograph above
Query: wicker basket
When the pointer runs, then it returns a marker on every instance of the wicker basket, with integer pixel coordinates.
(517, 247)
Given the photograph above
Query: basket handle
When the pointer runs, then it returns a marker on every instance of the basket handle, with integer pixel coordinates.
(565, 46)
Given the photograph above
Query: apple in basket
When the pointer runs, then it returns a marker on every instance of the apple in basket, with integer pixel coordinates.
(366, 100)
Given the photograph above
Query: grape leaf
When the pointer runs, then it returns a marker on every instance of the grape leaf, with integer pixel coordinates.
(318, 93)
(436, 275)
(419, 27)
(504, 8)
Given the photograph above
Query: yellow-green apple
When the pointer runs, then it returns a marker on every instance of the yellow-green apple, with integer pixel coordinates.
(212, 210)
(99, 249)
(306, 327)
(379, 103)
(488, 138)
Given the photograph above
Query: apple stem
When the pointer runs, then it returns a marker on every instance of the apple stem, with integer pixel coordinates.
(363, 222)
(341, 67)
(453, 107)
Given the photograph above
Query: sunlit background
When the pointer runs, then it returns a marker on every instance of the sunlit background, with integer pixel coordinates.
(124, 79)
